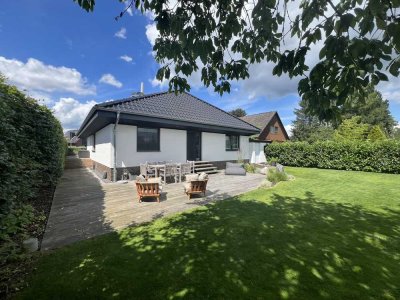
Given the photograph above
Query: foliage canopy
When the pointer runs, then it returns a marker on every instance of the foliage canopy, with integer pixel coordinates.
(361, 39)
(238, 112)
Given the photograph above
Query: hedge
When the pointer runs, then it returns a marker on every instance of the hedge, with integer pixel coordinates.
(32, 153)
(382, 156)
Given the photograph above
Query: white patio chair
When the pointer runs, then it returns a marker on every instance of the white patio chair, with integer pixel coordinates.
(185, 168)
(169, 170)
(191, 162)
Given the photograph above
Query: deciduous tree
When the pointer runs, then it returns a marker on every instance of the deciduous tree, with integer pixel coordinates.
(238, 112)
(360, 41)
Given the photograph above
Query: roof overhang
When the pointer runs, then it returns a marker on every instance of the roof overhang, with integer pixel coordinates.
(99, 118)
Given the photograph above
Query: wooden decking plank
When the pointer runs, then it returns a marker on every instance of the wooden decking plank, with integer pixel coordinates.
(84, 207)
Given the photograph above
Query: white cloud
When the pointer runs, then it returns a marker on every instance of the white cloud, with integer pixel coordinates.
(121, 33)
(34, 75)
(42, 98)
(289, 129)
(128, 8)
(390, 89)
(126, 58)
(71, 112)
(151, 33)
(111, 80)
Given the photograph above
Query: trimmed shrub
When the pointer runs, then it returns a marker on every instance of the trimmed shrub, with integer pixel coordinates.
(32, 153)
(274, 176)
(250, 168)
(32, 147)
(380, 156)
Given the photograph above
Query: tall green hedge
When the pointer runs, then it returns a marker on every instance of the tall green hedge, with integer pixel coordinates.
(32, 147)
(382, 156)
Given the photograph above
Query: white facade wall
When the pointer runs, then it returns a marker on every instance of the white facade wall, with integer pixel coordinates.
(213, 147)
(172, 147)
(104, 150)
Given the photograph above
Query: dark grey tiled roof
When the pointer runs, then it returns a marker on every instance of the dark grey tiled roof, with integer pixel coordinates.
(259, 120)
(182, 107)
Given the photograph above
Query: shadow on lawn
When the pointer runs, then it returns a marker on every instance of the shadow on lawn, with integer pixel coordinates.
(290, 248)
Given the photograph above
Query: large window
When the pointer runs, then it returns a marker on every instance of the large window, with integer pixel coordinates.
(148, 139)
(231, 142)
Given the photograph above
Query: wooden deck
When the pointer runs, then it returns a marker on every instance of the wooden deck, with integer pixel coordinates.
(84, 207)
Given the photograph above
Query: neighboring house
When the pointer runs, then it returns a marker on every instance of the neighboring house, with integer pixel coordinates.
(272, 129)
(123, 134)
(72, 138)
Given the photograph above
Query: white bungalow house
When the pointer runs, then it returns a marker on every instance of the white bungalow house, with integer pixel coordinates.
(123, 134)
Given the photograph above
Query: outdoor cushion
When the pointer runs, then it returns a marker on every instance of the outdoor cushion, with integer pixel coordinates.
(191, 177)
(186, 186)
(233, 165)
(140, 178)
(203, 176)
(235, 171)
(155, 180)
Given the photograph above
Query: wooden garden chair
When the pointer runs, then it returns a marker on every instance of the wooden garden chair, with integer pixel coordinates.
(148, 190)
(196, 187)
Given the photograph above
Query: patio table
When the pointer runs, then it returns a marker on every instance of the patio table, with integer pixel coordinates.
(157, 168)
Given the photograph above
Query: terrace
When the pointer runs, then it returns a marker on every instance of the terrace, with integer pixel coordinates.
(84, 206)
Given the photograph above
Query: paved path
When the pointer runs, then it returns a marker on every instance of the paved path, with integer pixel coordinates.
(84, 207)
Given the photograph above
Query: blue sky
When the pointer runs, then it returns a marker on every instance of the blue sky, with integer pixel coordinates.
(72, 59)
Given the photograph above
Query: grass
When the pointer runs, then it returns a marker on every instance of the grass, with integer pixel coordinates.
(326, 235)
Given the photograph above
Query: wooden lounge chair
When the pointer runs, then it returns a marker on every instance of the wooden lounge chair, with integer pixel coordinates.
(147, 190)
(196, 187)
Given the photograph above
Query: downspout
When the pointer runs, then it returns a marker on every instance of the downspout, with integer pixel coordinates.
(115, 147)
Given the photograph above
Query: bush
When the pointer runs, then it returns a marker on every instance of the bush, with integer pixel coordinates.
(250, 168)
(274, 176)
(73, 150)
(380, 156)
(32, 153)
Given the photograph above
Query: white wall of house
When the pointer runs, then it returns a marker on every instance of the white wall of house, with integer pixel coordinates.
(103, 150)
(213, 147)
(172, 147)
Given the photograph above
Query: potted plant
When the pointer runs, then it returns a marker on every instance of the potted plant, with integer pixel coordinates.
(273, 161)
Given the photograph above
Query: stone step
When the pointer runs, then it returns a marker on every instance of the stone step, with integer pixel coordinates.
(199, 162)
(205, 169)
(203, 165)
(209, 172)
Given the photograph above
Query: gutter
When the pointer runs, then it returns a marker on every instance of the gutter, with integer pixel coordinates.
(115, 147)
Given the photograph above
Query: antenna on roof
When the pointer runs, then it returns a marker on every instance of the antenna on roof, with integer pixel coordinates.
(141, 93)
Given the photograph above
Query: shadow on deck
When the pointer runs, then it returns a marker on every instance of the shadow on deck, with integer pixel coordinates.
(85, 207)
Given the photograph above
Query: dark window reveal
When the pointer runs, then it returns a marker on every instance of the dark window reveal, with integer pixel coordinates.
(148, 139)
(231, 142)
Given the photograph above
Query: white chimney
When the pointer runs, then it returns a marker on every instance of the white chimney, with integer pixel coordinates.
(142, 88)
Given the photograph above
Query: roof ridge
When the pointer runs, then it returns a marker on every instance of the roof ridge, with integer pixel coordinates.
(131, 98)
(266, 112)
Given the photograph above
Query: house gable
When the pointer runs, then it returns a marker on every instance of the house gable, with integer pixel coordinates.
(267, 121)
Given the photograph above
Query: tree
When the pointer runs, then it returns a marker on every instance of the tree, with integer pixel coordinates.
(309, 128)
(238, 112)
(376, 134)
(222, 38)
(396, 133)
(372, 109)
(352, 130)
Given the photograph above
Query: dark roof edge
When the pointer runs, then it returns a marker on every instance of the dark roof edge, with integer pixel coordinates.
(283, 126)
(156, 117)
(86, 120)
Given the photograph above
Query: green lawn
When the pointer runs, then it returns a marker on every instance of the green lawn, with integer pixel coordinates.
(326, 235)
